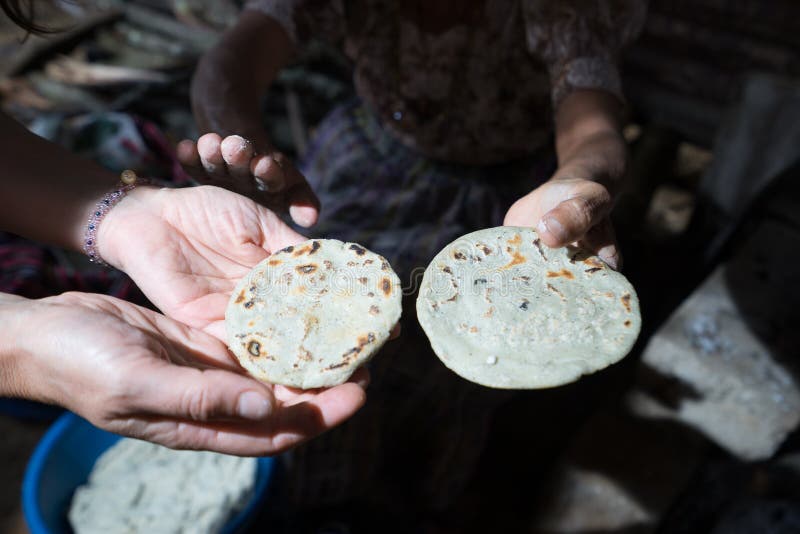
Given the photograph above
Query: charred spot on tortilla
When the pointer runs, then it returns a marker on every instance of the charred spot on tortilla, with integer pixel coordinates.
(254, 348)
(306, 269)
(563, 272)
(386, 286)
(358, 250)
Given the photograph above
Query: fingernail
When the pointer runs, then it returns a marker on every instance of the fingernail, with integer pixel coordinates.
(612, 259)
(261, 185)
(243, 143)
(253, 406)
(552, 225)
(611, 262)
(541, 228)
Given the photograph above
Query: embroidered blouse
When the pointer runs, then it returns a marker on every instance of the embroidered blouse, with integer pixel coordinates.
(474, 81)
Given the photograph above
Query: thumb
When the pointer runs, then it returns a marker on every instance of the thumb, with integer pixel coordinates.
(573, 217)
(188, 393)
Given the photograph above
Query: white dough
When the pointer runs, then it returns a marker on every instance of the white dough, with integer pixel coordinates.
(139, 487)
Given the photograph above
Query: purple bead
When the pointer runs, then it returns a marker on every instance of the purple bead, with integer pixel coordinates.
(89, 242)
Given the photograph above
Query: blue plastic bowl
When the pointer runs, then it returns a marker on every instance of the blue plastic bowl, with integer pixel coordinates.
(63, 460)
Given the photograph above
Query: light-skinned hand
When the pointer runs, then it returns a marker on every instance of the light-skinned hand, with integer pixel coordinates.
(135, 372)
(187, 248)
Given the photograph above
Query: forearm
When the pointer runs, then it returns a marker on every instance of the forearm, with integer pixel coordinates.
(232, 77)
(47, 193)
(588, 135)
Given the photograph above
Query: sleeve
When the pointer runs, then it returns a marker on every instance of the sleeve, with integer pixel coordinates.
(305, 19)
(580, 41)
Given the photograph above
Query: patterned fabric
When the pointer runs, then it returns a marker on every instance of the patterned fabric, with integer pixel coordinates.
(419, 436)
(474, 81)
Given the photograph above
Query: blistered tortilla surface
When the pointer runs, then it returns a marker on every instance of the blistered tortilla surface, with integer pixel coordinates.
(309, 315)
(503, 310)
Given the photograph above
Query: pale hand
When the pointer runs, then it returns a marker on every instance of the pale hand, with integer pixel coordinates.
(187, 248)
(137, 373)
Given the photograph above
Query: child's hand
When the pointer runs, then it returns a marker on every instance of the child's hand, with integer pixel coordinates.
(569, 208)
(257, 171)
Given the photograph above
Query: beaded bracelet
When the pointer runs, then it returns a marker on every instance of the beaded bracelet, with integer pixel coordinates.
(129, 180)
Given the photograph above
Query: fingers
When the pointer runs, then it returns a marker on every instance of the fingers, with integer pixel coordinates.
(332, 407)
(572, 218)
(237, 152)
(289, 426)
(361, 378)
(187, 154)
(303, 205)
(566, 211)
(276, 175)
(269, 178)
(189, 157)
(211, 160)
(277, 234)
(191, 394)
(219, 161)
(602, 240)
(269, 173)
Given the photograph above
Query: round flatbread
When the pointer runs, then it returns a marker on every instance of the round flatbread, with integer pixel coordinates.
(309, 315)
(503, 310)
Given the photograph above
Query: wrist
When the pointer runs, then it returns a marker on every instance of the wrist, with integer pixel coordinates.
(121, 223)
(12, 336)
(601, 157)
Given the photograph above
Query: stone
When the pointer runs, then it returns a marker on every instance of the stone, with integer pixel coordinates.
(728, 350)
